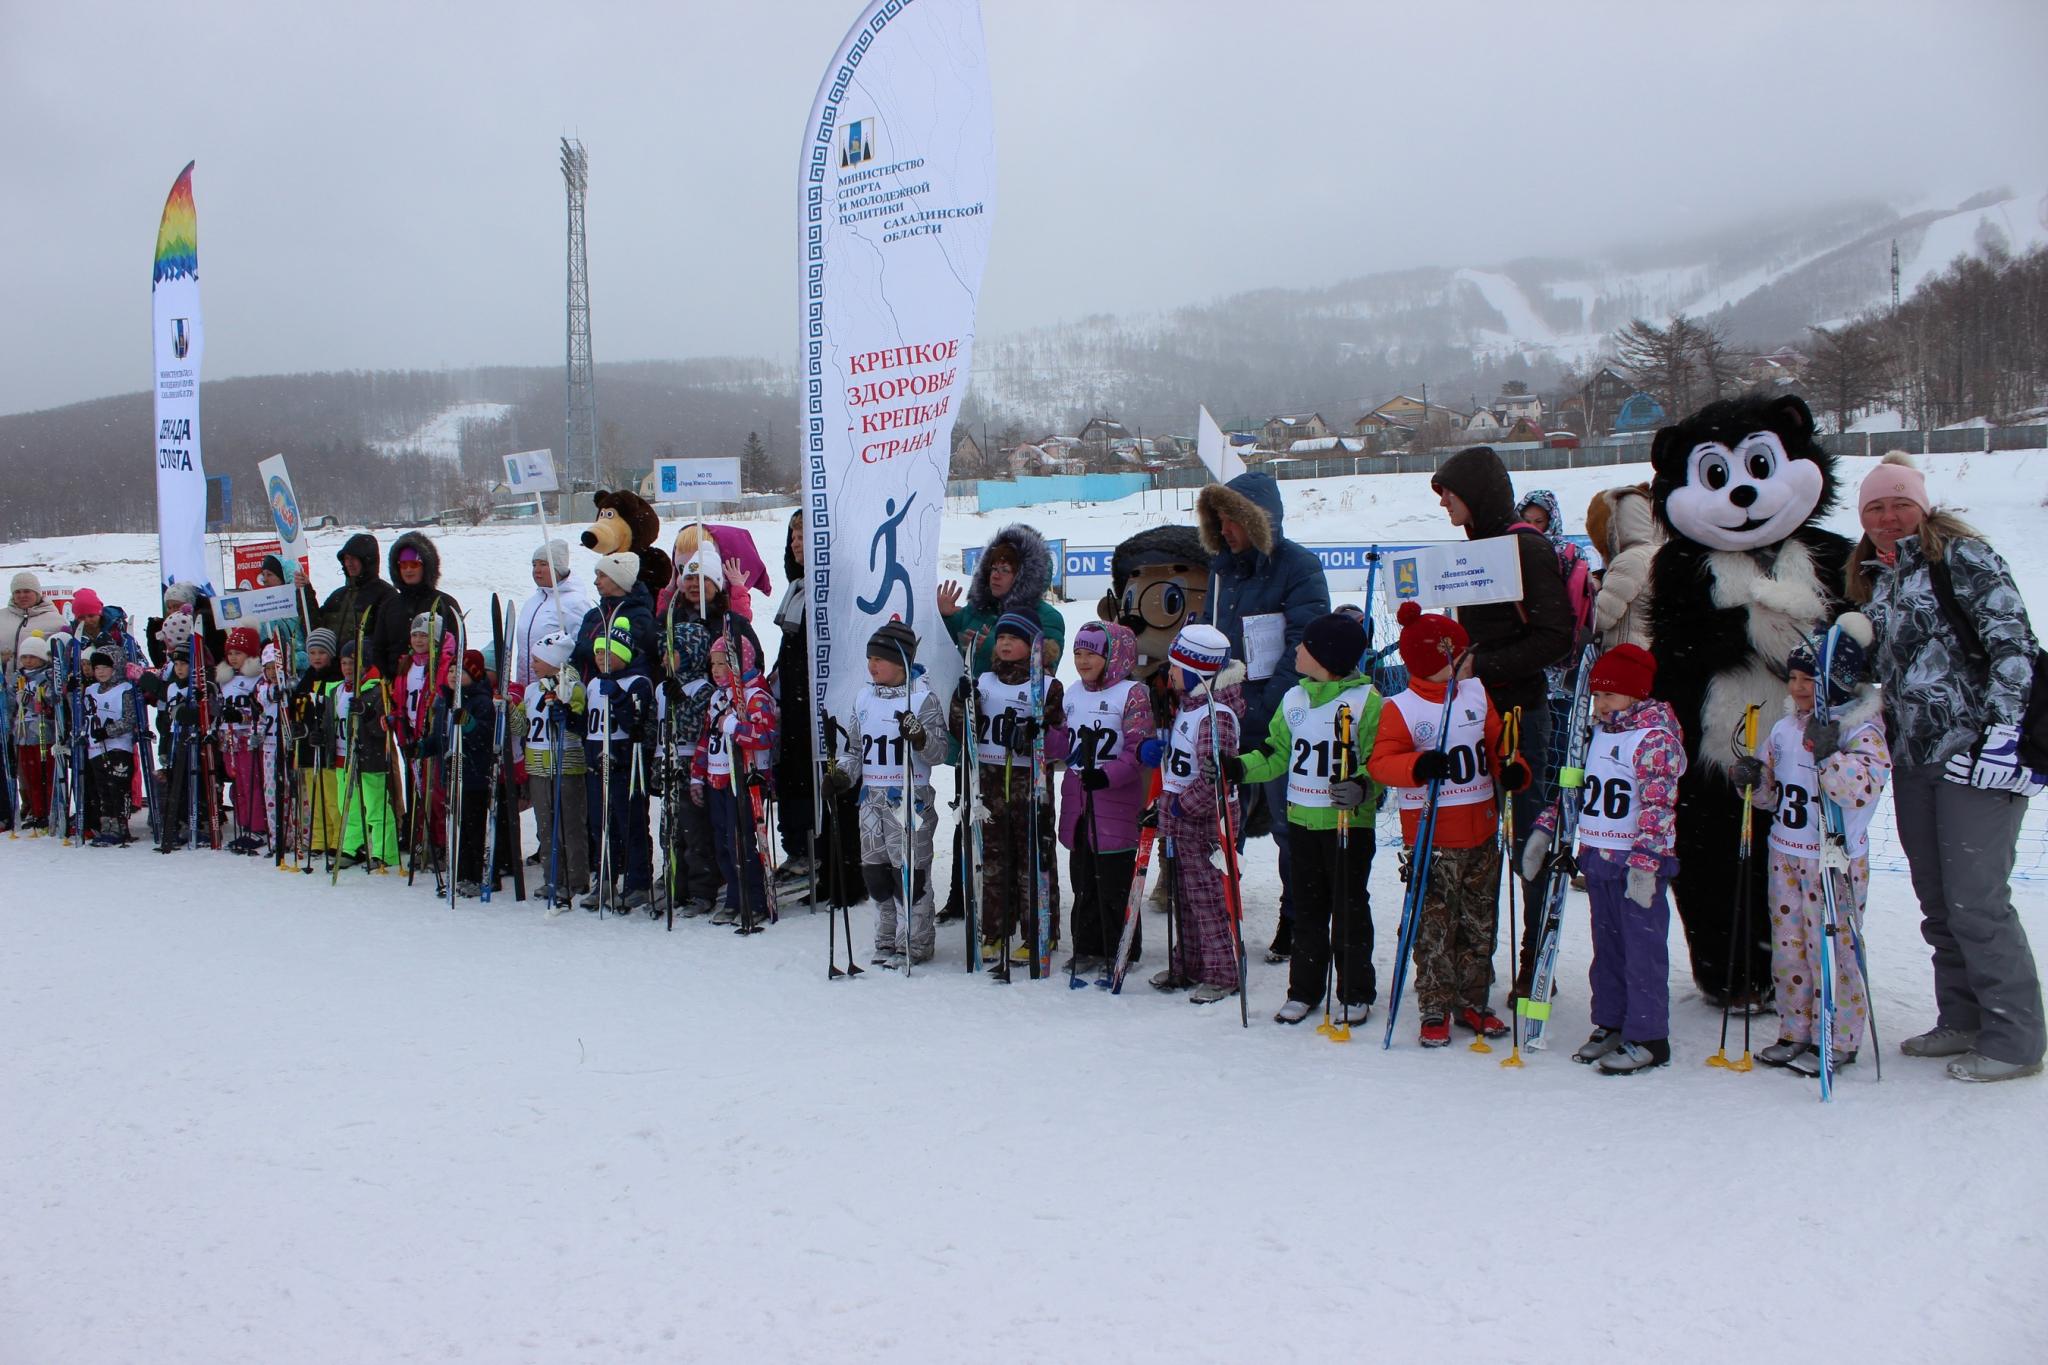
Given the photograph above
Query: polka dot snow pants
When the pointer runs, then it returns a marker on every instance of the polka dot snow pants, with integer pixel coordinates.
(1796, 909)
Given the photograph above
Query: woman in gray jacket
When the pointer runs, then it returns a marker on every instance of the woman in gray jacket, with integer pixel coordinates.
(1953, 707)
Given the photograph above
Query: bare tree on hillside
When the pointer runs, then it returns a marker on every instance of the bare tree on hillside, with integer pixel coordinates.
(1681, 364)
(1851, 370)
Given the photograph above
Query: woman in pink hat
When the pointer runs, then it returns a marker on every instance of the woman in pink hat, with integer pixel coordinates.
(1954, 655)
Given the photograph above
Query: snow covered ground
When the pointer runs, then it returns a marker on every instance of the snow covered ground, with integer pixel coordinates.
(248, 1117)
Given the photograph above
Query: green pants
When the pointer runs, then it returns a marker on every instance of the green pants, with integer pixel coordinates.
(372, 797)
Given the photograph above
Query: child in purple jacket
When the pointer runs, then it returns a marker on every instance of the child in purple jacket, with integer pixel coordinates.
(1108, 720)
(1628, 823)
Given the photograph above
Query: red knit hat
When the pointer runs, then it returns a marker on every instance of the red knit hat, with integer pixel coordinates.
(244, 640)
(473, 662)
(1428, 640)
(1627, 669)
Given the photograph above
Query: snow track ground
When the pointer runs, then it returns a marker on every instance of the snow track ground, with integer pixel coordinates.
(252, 1118)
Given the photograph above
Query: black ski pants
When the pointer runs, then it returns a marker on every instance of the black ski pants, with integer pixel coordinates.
(1332, 906)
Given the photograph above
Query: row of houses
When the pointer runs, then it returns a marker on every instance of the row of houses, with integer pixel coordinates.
(1609, 401)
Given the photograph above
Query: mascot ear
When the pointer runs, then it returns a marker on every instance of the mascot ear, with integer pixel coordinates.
(656, 569)
(1790, 414)
(1667, 457)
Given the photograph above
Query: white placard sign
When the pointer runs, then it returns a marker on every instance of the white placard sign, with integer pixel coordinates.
(713, 480)
(532, 472)
(1456, 575)
(256, 606)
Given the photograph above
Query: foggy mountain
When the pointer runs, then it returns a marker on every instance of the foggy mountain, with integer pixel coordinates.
(403, 445)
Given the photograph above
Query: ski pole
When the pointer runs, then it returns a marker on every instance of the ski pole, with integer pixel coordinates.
(1743, 898)
(1510, 745)
(1334, 944)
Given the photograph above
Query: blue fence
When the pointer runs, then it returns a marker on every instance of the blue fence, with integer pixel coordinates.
(995, 494)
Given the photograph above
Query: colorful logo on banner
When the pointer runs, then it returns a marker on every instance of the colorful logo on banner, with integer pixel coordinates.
(284, 508)
(1407, 579)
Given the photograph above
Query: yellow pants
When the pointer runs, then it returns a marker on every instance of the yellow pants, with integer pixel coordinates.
(320, 807)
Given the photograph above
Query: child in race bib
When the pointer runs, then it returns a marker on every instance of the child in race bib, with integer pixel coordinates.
(1802, 766)
(1628, 822)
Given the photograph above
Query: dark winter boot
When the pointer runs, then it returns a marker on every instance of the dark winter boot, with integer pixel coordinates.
(1282, 946)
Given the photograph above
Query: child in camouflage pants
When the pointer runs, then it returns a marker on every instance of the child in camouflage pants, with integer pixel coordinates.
(1459, 917)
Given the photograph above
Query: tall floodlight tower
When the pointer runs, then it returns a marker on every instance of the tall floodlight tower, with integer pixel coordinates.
(579, 425)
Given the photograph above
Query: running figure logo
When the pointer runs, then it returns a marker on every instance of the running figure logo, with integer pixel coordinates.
(892, 572)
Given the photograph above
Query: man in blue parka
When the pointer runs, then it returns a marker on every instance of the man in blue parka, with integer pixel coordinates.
(1264, 591)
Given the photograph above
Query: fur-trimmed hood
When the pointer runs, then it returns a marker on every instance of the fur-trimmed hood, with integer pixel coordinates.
(1034, 573)
(1619, 519)
(430, 560)
(1252, 500)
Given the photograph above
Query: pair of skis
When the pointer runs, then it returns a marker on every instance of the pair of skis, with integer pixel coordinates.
(501, 797)
(1532, 1011)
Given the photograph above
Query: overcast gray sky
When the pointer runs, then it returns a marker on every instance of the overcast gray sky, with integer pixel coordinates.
(377, 185)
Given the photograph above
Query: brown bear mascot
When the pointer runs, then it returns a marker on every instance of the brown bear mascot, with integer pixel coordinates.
(627, 523)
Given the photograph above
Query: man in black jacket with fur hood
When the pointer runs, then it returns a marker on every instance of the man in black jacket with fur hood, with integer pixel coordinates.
(1512, 642)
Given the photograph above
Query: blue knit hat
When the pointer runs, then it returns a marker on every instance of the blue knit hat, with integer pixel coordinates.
(1018, 624)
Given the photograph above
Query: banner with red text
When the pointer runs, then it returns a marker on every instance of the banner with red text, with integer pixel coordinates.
(179, 342)
(895, 190)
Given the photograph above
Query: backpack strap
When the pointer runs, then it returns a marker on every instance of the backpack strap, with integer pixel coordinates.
(1958, 619)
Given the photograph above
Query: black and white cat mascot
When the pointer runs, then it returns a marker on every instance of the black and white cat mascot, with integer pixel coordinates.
(1745, 573)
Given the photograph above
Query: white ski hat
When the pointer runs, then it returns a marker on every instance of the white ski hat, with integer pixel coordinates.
(1201, 649)
(622, 568)
(35, 647)
(555, 553)
(705, 563)
(554, 648)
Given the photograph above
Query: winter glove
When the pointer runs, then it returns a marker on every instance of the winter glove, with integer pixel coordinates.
(188, 714)
(697, 796)
(838, 781)
(1094, 779)
(1642, 886)
(910, 727)
(1348, 793)
(1824, 738)
(1405, 861)
(672, 688)
(1233, 768)
(1021, 735)
(1747, 772)
(1514, 776)
(1535, 854)
(756, 780)
(1431, 765)
(1149, 817)
(1151, 751)
(1993, 765)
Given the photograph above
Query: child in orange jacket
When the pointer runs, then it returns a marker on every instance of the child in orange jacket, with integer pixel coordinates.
(1455, 939)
